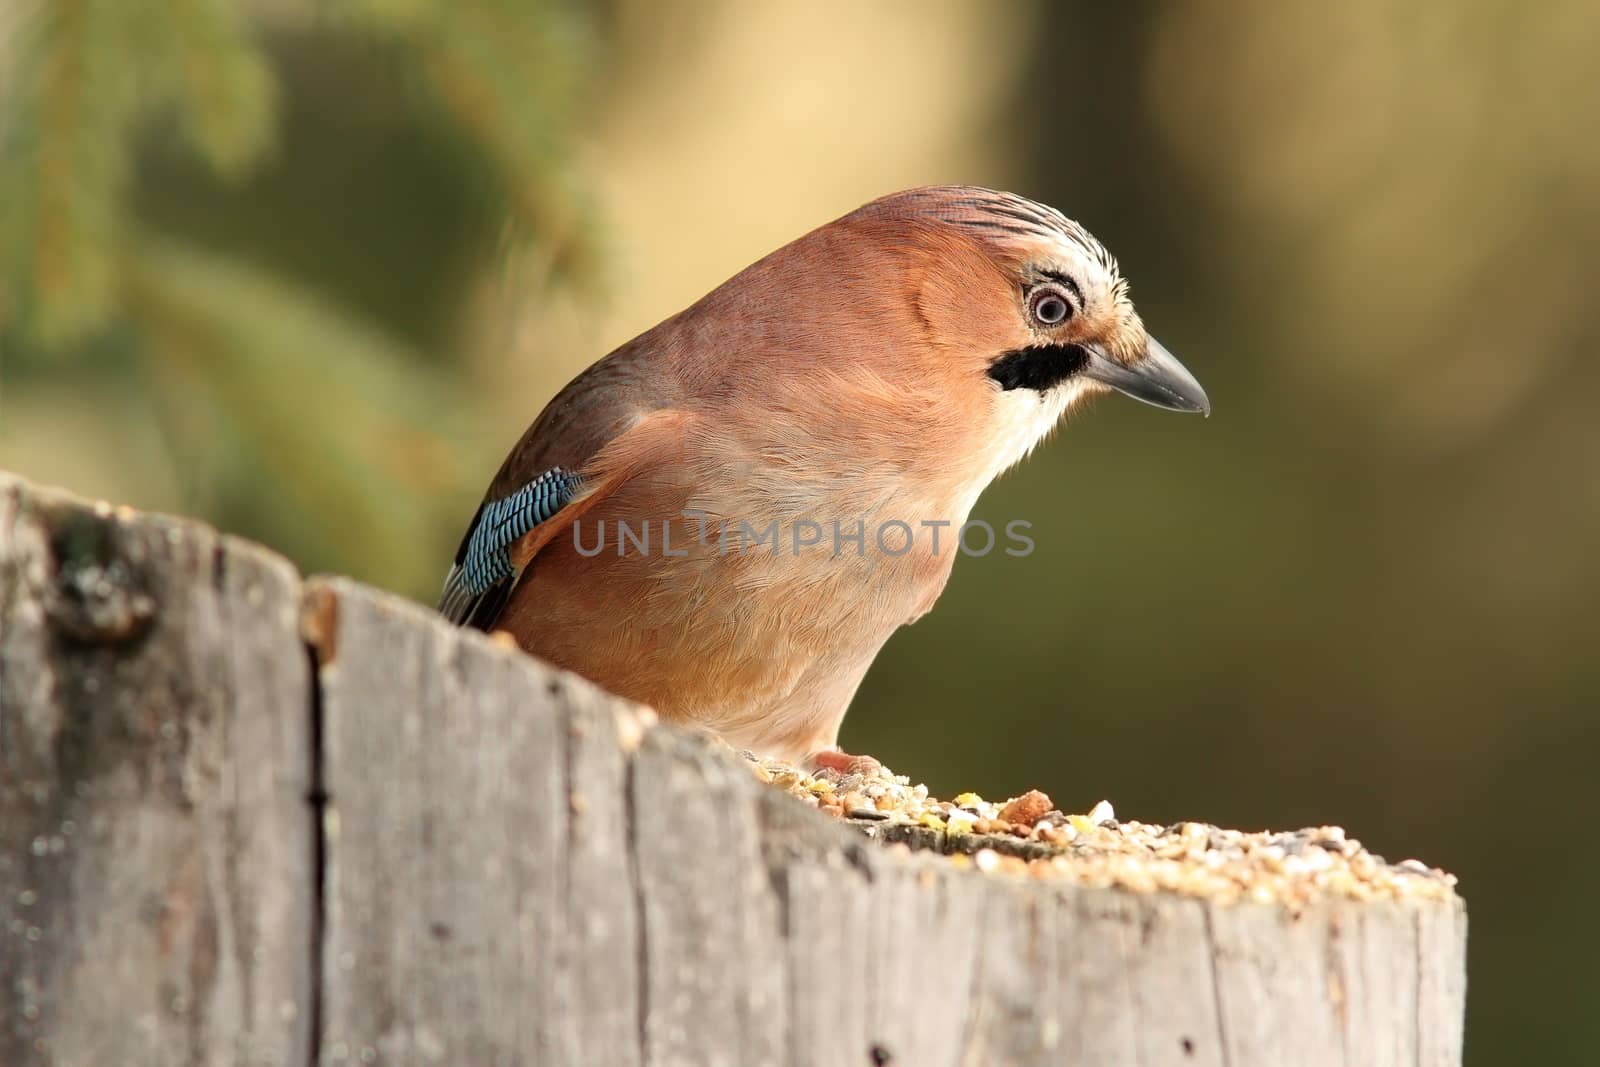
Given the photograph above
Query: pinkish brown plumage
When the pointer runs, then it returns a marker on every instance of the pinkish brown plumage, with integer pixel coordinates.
(883, 368)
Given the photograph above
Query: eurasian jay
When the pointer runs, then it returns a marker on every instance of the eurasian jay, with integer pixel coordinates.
(791, 448)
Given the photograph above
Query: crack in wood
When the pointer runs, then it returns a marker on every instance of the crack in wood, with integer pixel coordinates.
(317, 801)
(1226, 1050)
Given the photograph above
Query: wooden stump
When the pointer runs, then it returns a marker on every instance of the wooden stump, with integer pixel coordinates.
(246, 820)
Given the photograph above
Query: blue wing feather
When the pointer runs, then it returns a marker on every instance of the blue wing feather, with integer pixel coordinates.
(477, 587)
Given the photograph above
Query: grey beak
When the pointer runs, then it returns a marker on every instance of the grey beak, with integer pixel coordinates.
(1157, 379)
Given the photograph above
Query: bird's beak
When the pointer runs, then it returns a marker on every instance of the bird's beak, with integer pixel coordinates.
(1158, 378)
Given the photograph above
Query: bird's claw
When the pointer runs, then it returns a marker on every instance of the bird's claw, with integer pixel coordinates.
(843, 763)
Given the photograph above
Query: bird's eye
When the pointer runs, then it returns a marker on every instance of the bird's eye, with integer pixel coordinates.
(1049, 306)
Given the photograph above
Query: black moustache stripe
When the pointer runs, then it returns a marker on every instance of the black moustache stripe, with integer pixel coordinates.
(1038, 368)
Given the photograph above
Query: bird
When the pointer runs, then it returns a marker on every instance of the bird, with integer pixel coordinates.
(727, 517)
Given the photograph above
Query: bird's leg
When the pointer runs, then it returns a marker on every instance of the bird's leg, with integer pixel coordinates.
(832, 759)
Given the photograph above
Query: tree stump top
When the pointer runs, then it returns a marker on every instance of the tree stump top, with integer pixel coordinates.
(1027, 836)
(247, 818)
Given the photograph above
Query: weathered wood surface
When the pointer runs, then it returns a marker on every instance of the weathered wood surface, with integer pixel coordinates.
(156, 859)
(246, 820)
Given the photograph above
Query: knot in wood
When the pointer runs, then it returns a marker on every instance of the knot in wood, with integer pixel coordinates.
(98, 596)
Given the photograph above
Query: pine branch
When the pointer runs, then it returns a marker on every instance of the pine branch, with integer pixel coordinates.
(262, 353)
(223, 90)
(71, 99)
(508, 72)
(84, 77)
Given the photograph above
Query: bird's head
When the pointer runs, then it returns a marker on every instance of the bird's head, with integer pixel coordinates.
(1025, 303)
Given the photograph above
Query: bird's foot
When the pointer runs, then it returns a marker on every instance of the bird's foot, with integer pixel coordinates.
(843, 763)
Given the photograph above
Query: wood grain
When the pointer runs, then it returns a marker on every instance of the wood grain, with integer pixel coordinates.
(155, 851)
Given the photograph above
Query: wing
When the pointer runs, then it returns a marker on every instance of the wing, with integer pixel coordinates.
(483, 575)
(509, 529)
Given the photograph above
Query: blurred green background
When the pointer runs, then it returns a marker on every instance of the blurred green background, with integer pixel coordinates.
(307, 270)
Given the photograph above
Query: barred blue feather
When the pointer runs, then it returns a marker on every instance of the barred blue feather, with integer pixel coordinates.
(480, 582)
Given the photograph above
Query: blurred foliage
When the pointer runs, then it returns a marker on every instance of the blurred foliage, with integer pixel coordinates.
(299, 268)
(157, 157)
